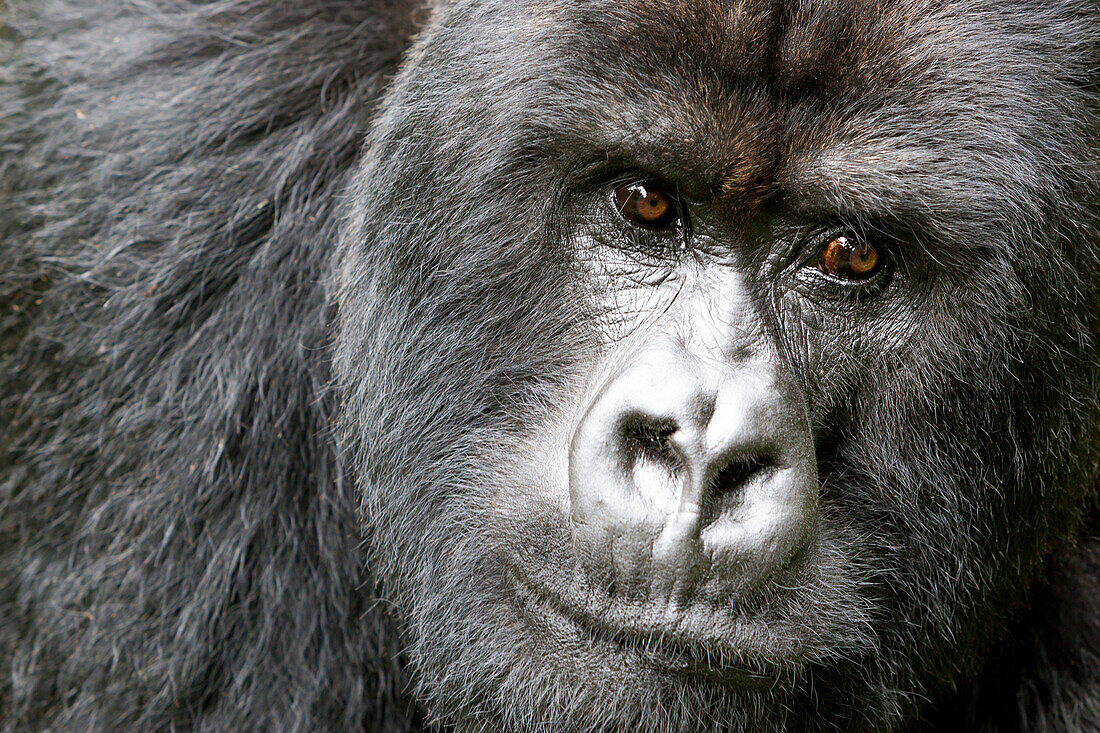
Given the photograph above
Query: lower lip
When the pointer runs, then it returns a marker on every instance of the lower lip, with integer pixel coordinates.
(653, 648)
(740, 677)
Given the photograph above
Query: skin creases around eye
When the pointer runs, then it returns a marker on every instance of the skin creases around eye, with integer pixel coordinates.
(646, 204)
(845, 258)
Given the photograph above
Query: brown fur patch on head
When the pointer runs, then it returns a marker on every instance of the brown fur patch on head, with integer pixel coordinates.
(764, 85)
(751, 157)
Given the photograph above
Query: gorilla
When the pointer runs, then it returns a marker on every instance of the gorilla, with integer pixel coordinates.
(550, 365)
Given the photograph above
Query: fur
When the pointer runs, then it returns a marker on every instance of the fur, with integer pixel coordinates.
(269, 393)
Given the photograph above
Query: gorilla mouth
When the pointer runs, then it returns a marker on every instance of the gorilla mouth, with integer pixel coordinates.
(666, 645)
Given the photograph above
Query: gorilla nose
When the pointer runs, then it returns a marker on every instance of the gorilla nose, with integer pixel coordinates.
(691, 479)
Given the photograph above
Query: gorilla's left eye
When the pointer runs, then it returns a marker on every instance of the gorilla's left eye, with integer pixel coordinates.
(647, 204)
(849, 259)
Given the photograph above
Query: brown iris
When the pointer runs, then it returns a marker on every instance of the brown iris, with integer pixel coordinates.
(845, 258)
(647, 205)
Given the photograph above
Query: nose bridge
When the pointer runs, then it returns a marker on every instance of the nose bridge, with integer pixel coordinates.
(723, 358)
(718, 319)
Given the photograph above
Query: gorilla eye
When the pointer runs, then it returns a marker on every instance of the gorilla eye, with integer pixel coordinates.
(847, 259)
(646, 204)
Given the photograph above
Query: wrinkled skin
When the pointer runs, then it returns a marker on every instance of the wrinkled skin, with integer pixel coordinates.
(437, 432)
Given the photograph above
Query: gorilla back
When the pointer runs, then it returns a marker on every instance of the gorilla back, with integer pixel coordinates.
(561, 365)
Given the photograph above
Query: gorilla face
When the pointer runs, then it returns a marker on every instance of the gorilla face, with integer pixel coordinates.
(701, 365)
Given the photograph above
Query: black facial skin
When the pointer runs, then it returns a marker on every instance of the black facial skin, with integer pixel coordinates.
(650, 366)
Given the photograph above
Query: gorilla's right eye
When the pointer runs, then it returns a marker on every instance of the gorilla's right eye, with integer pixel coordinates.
(647, 204)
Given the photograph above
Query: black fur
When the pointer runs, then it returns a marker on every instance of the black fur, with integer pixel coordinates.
(272, 400)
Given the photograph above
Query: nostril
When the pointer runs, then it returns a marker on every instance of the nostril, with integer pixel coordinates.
(736, 471)
(648, 438)
(650, 456)
(726, 486)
